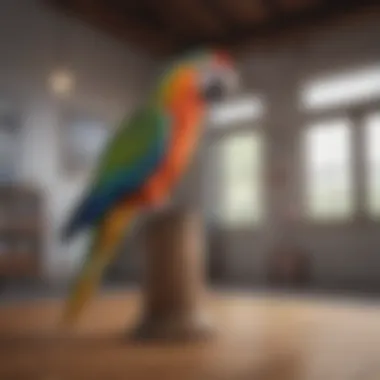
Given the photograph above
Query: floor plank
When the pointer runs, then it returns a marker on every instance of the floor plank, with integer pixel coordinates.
(258, 337)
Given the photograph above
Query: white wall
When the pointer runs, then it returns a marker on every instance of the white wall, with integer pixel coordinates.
(341, 256)
(110, 81)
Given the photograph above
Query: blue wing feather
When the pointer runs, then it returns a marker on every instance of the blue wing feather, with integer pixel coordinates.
(122, 182)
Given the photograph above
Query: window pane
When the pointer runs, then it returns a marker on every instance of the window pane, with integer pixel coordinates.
(342, 89)
(373, 163)
(328, 171)
(240, 187)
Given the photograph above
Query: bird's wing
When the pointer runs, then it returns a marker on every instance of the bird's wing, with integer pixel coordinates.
(130, 158)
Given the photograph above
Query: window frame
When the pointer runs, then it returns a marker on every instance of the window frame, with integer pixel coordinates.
(212, 136)
(362, 157)
(356, 115)
(355, 66)
(302, 170)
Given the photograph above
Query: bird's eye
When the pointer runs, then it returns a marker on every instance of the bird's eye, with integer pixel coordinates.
(210, 75)
(211, 87)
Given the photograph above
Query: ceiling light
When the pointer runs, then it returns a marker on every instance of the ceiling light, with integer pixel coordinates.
(61, 82)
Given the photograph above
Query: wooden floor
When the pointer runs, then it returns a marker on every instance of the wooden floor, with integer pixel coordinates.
(258, 338)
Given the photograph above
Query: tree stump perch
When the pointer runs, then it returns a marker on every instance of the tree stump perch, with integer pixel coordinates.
(173, 288)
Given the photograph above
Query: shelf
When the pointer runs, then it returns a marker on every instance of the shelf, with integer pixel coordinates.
(19, 228)
(18, 264)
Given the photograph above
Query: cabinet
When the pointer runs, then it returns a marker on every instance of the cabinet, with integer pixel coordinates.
(21, 228)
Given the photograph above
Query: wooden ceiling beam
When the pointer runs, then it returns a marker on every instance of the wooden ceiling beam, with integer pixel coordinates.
(165, 26)
(169, 17)
(121, 25)
(127, 26)
(192, 18)
(143, 10)
(298, 5)
(279, 28)
(244, 12)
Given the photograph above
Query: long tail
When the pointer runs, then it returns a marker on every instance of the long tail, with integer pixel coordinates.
(102, 251)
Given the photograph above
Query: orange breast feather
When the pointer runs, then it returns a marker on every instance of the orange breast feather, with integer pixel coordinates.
(187, 120)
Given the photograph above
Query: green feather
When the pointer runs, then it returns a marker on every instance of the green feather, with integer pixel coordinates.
(131, 141)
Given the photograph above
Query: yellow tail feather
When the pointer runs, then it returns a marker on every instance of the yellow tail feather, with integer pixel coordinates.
(84, 289)
(107, 238)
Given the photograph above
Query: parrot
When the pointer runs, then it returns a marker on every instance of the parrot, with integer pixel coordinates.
(143, 161)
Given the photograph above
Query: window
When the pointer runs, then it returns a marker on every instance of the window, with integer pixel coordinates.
(343, 89)
(84, 136)
(241, 181)
(238, 110)
(10, 145)
(372, 144)
(328, 171)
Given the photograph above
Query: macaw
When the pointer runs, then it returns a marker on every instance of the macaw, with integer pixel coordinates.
(143, 161)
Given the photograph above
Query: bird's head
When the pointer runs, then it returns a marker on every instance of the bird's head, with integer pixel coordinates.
(202, 77)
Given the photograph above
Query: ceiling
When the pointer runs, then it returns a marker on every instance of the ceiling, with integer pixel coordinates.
(163, 27)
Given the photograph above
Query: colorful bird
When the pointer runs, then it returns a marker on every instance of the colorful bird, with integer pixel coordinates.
(143, 161)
